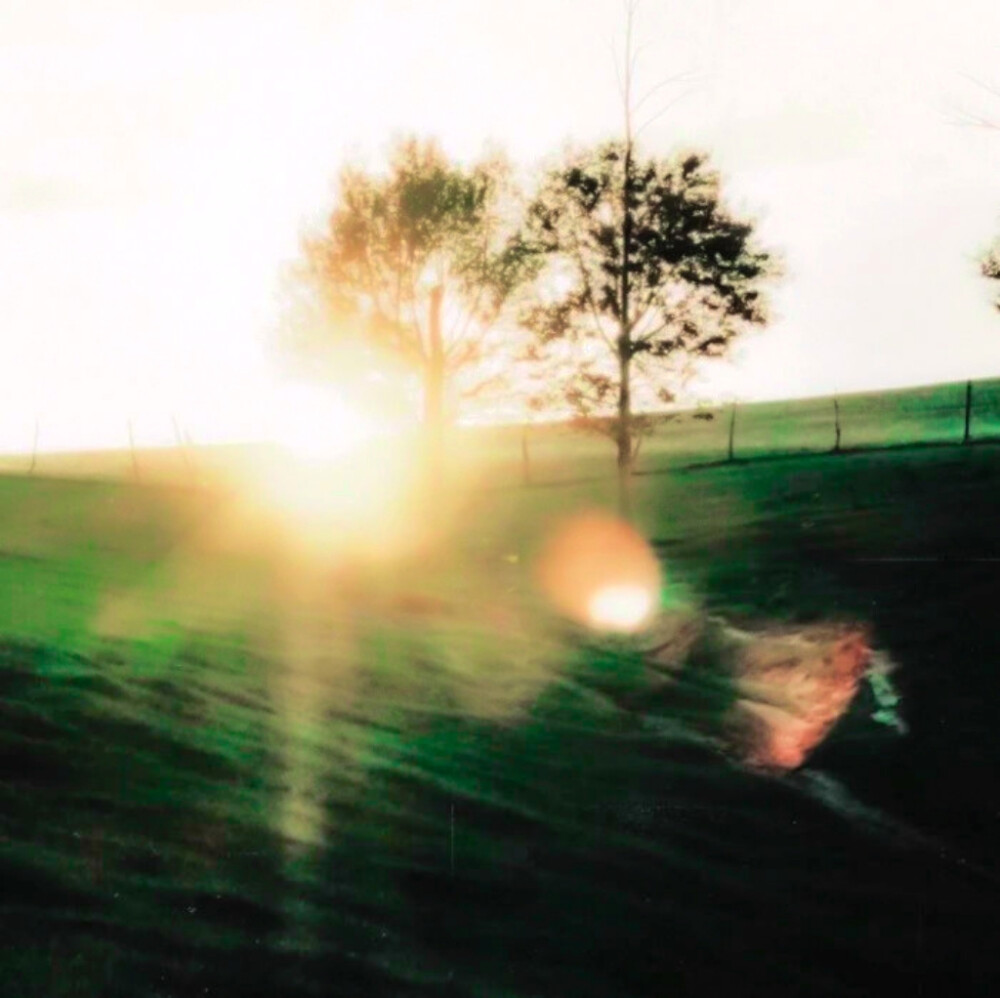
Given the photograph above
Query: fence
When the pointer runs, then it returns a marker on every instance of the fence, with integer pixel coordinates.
(962, 413)
(957, 413)
(174, 463)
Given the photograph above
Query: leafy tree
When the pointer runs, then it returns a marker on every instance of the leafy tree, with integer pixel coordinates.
(648, 269)
(418, 264)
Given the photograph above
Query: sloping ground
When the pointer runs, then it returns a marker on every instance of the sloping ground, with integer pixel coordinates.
(220, 807)
(148, 847)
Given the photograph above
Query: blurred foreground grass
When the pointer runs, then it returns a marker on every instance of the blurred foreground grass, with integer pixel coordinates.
(224, 773)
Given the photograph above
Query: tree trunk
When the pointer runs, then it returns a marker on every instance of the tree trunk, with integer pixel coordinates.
(624, 440)
(625, 344)
(434, 383)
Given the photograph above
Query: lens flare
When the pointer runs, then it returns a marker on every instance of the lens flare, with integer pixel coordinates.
(599, 571)
(317, 427)
(620, 608)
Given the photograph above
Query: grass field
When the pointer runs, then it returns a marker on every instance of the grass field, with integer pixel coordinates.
(225, 772)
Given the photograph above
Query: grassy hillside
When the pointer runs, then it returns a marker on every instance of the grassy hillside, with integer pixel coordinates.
(872, 419)
(221, 773)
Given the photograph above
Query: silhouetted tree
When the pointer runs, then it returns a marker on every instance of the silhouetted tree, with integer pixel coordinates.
(990, 262)
(648, 269)
(991, 269)
(420, 263)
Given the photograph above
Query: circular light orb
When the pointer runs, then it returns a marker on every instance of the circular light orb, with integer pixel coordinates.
(599, 571)
(620, 607)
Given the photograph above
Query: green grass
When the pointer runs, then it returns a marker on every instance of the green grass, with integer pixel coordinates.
(933, 414)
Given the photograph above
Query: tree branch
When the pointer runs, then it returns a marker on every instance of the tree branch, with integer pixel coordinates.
(586, 287)
(667, 81)
(663, 110)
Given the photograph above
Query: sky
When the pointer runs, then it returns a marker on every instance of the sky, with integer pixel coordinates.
(162, 157)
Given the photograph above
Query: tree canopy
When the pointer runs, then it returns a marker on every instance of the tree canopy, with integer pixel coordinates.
(648, 269)
(419, 263)
(991, 269)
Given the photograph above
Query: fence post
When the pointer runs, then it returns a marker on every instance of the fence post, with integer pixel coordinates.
(525, 455)
(185, 451)
(968, 413)
(131, 445)
(836, 422)
(732, 431)
(196, 463)
(34, 449)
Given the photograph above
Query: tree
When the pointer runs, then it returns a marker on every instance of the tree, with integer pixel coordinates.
(647, 265)
(648, 269)
(990, 267)
(990, 262)
(418, 264)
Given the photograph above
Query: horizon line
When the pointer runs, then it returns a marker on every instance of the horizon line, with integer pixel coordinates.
(715, 404)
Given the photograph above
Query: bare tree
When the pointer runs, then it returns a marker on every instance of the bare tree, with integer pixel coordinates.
(978, 119)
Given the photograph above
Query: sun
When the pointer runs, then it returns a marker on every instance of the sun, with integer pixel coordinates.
(336, 483)
(318, 427)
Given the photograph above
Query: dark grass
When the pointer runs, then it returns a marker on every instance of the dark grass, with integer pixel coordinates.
(579, 838)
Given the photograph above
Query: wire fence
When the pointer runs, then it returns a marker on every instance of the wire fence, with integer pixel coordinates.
(958, 413)
(538, 454)
(962, 413)
(175, 461)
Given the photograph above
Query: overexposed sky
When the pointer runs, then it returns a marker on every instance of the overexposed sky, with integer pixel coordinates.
(160, 157)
